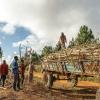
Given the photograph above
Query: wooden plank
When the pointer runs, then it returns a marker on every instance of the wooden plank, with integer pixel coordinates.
(72, 73)
(81, 95)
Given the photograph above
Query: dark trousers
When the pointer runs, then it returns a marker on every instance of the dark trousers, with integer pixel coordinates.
(30, 77)
(3, 78)
(16, 83)
(22, 79)
(0, 80)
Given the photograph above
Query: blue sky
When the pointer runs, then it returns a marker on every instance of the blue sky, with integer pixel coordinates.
(7, 39)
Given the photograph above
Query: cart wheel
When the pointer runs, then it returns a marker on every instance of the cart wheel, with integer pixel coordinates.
(49, 81)
(74, 82)
(45, 77)
(57, 77)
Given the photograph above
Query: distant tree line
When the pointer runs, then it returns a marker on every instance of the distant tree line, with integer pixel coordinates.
(84, 36)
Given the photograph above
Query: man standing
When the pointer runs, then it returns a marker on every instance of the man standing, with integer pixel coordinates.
(3, 72)
(31, 69)
(62, 40)
(22, 71)
(15, 70)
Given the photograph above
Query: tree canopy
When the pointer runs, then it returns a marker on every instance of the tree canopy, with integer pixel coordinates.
(85, 35)
(47, 50)
(35, 56)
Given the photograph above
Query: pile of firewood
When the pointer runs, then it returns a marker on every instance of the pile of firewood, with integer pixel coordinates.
(89, 54)
(82, 52)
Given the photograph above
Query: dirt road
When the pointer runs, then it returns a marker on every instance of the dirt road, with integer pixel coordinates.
(60, 91)
(34, 91)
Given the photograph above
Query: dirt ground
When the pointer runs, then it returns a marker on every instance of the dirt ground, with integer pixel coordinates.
(61, 90)
(35, 91)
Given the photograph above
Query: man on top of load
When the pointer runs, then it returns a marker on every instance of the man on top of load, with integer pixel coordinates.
(62, 41)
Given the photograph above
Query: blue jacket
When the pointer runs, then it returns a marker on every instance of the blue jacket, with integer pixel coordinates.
(15, 67)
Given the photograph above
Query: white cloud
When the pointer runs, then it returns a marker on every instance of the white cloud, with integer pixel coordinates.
(29, 40)
(8, 59)
(8, 29)
(43, 17)
(47, 18)
(0, 42)
(15, 53)
(33, 42)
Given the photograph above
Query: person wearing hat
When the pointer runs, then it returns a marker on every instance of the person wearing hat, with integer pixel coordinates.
(15, 71)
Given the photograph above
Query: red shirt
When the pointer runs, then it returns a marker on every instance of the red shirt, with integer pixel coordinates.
(22, 67)
(4, 69)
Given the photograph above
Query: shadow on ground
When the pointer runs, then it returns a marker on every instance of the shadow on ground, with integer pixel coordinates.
(78, 92)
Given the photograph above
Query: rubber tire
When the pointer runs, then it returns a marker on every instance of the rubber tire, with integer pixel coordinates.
(74, 82)
(45, 77)
(49, 83)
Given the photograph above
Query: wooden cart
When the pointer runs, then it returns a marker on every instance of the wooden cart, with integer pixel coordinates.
(71, 64)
